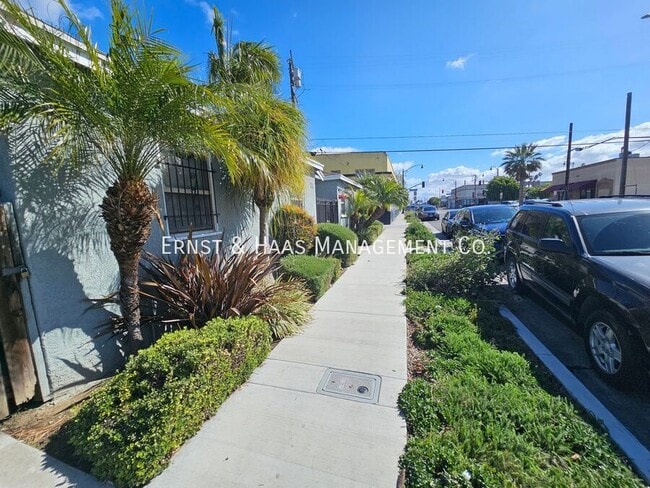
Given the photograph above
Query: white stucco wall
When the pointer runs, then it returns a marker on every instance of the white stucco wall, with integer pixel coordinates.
(67, 252)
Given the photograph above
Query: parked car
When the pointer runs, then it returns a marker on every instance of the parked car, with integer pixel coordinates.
(512, 203)
(483, 219)
(530, 201)
(446, 221)
(428, 212)
(591, 260)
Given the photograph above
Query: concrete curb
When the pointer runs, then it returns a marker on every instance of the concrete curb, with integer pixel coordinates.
(636, 452)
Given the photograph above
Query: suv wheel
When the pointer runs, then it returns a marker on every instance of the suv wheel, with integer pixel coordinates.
(514, 280)
(610, 349)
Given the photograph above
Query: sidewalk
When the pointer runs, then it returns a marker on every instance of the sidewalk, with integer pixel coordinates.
(277, 431)
(22, 466)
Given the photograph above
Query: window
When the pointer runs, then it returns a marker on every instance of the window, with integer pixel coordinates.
(534, 224)
(556, 228)
(189, 201)
(517, 223)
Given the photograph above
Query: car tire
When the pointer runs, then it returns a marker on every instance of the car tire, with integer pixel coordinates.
(611, 349)
(512, 274)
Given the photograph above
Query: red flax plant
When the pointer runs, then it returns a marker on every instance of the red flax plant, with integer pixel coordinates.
(199, 287)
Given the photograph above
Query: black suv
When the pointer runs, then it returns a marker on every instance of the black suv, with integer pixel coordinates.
(591, 260)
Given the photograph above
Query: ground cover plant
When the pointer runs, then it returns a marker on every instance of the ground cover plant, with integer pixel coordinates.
(317, 273)
(127, 431)
(481, 414)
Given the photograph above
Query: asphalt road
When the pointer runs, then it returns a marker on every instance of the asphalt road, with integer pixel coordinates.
(632, 408)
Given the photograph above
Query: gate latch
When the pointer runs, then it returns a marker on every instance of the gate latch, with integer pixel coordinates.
(18, 270)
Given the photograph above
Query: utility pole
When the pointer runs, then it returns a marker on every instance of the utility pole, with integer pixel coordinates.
(626, 144)
(568, 163)
(295, 79)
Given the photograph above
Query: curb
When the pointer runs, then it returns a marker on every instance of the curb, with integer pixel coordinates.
(636, 452)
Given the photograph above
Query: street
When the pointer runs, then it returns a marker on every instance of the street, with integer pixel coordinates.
(632, 408)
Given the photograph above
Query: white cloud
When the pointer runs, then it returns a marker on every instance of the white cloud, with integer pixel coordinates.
(399, 167)
(48, 10)
(458, 63)
(333, 149)
(51, 12)
(205, 7)
(448, 178)
(594, 150)
(87, 13)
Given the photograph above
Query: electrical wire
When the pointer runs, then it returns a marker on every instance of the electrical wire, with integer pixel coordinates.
(485, 134)
(463, 149)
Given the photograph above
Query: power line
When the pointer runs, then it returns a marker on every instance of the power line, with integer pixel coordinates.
(485, 134)
(459, 149)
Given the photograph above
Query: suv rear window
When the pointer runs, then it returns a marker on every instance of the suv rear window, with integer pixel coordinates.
(534, 224)
(518, 221)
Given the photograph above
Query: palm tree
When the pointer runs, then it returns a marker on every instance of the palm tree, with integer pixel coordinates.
(271, 131)
(521, 162)
(117, 111)
(380, 194)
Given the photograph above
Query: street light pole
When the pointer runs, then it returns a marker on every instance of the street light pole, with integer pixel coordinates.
(404, 171)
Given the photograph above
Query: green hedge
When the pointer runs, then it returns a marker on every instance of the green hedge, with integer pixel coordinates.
(317, 273)
(480, 418)
(370, 233)
(417, 231)
(128, 430)
(337, 241)
(454, 273)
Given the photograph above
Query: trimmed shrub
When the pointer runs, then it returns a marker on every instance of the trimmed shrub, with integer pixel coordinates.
(337, 241)
(455, 273)
(293, 227)
(128, 429)
(370, 233)
(417, 231)
(317, 273)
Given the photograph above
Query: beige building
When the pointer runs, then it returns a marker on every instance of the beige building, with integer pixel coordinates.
(466, 195)
(602, 179)
(353, 164)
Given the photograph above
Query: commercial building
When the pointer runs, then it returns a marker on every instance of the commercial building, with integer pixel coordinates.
(355, 164)
(602, 179)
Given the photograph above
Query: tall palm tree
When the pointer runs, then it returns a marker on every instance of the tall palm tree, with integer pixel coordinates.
(271, 130)
(116, 111)
(521, 162)
(381, 193)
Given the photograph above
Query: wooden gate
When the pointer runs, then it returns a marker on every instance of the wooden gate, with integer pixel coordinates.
(17, 372)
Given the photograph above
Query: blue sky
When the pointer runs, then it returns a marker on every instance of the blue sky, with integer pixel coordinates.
(433, 69)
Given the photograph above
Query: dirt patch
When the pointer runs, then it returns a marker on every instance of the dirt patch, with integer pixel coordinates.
(43, 425)
(416, 358)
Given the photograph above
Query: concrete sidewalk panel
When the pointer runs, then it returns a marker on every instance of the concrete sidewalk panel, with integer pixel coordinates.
(351, 440)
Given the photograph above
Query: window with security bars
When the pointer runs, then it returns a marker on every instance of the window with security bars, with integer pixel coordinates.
(189, 201)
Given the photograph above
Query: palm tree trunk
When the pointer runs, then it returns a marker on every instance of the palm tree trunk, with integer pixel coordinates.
(128, 209)
(264, 213)
(521, 191)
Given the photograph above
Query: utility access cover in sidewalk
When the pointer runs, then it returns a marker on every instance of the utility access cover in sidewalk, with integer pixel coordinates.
(361, 387)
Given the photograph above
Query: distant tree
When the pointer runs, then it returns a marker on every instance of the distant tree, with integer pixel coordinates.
(371, 202)
(434, 201)
(502, 188)
(536, 191)
(520, 162)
